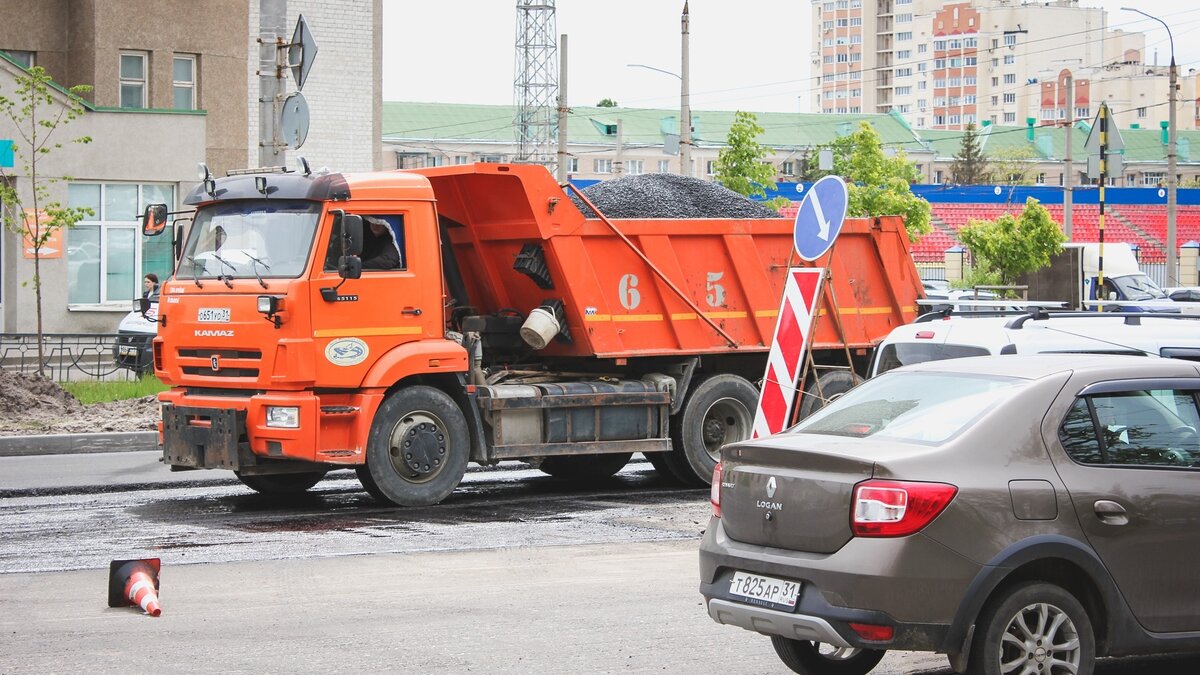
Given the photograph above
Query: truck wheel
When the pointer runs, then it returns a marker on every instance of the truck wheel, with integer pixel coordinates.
(418, 449)
(833, 383)
(718, 410)
(281, 483)
(815, 658)
(658, 460)
(585, 467)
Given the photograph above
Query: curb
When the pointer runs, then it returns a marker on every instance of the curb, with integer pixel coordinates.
(69, 444)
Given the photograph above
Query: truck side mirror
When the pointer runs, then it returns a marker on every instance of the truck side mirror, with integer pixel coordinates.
(154, 220)
(177, 240)
(349, 229)
(349, 267)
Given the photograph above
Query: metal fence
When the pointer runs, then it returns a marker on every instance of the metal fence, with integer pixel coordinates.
(70, 357)
(937, 271)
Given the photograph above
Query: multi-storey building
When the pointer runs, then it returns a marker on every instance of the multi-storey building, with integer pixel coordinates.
(944, 66)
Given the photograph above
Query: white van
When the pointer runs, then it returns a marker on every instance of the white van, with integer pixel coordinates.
(1039, 332)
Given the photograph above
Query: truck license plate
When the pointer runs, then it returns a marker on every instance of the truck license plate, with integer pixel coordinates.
(213, 315)
(774, 591)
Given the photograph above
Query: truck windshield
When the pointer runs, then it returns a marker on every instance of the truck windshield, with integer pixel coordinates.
(1139, 287)
(245, 239)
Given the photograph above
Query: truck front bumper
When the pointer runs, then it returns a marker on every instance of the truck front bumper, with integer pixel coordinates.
(212, 431)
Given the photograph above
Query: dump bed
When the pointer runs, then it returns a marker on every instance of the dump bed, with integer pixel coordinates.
(519, 241)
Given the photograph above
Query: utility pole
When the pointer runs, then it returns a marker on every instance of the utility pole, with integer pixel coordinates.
(562, 110)
(1068, 170)
(272, 22)
(1172, 177)
(685, 109)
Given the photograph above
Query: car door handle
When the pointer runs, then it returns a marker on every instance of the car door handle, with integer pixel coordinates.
(1110, 512)
(415, 311)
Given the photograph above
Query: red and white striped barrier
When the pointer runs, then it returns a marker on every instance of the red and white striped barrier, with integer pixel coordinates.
(800, 294)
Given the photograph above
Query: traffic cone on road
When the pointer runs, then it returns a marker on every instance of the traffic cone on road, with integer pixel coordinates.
(134, 582)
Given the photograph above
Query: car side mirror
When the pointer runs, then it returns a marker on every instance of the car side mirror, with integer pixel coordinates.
(154, 220)
(141, 305)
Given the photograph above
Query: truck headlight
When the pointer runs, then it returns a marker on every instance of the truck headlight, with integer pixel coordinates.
(284, 418)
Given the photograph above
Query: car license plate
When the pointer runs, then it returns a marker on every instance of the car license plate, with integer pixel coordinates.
(213, 315)
(129, 351)
(767, 589)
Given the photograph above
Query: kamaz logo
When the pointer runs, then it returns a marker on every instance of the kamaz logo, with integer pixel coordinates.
(214, 333)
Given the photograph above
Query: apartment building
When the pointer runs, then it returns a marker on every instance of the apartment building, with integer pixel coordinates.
(947, 65)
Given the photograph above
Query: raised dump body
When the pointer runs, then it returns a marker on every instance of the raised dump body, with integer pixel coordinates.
(635, 288)
(406, 323)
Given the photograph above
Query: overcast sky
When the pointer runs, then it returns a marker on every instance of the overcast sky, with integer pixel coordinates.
(749, 54)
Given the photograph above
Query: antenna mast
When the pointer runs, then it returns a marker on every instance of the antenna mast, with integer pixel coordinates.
(535, 85)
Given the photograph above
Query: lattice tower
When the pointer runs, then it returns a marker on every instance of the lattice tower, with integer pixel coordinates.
(535, 83)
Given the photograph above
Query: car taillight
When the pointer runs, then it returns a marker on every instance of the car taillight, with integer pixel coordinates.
(714, 494)
(884, 508)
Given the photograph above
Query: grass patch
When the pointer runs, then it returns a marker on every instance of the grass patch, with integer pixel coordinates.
(102, 392)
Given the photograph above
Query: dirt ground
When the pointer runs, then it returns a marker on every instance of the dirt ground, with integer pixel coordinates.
(34, 405)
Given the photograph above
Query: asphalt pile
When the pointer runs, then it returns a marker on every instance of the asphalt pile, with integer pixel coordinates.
(667, 195)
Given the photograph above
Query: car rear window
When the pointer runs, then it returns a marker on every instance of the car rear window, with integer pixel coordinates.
(907, 353)
(918, 407)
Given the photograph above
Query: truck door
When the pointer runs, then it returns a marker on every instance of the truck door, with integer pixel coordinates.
(390, 304)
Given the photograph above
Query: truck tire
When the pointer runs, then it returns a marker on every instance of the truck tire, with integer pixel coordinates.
(718, 410)
(658, 460)
(832, 384)
(585, 467)
(418, 448)
(281, 483)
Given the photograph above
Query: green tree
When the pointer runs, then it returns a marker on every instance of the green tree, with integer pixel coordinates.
(880, 185)
(1013, 166)
(606, 103)
(740, 166)
(970, 165)
(1010, 247)
(37, 108)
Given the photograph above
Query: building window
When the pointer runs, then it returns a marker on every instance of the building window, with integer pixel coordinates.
(23, 58)
(710, 168)
(1010, 98)
(664, 166)
(1083, 113)
(133, 80)
(435, 160)
(1010, 117)
(463, 159)
(922, 48)
(1041, 179)
(1009, 59)
(184, 81)
(856, 21)
(904, 54)
(904, 18)
(106, 254)
(904, 72)
(939, 45)
(1141, 112)
(491, 159)
(903, 91)
(634, 167)
(904, 37)
(937, 177)
(1010, 40)
(1152, 178)
(601, 166)
(787, 168)
(1010, 78)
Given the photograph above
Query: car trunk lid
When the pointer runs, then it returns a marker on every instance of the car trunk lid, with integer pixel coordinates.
(791, 492)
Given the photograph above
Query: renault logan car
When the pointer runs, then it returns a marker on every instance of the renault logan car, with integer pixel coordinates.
(1021, 514)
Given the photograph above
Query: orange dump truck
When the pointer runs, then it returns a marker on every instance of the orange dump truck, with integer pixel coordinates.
(405, 323)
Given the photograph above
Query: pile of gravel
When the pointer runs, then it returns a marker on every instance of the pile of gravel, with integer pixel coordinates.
(667, 195)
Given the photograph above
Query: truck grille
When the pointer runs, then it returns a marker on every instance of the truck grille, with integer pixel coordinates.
(229, 362)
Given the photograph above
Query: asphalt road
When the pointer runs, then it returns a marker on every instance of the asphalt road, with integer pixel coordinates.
(515, 573)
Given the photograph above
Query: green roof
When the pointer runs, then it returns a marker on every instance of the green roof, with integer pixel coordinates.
(639, 126)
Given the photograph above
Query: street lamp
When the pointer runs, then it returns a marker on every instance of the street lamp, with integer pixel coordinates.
(685, 116)
(1172, 178)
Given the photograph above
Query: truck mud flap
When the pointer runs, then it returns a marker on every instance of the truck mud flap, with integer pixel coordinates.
(204, 438)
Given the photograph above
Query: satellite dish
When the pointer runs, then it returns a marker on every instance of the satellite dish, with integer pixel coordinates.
(301, 52)
(293, 120)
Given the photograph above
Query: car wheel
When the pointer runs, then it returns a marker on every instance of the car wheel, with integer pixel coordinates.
(281, 483)
(718, 410)
(817, 658)
(418, 449)
(824, 388)
(1034, 628)
(585, 467)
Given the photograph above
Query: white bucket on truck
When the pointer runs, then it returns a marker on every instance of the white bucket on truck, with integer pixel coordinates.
(540, 328)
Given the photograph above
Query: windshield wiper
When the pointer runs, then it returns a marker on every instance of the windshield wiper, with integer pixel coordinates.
(195, 271)
(227, 278)
(258, 262)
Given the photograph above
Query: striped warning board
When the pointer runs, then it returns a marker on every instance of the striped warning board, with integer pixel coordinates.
(800, 294)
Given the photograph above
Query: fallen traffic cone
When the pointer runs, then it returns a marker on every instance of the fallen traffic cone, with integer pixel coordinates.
(134, 582)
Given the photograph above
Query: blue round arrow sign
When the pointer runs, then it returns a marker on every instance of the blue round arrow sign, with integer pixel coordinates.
(820, 217)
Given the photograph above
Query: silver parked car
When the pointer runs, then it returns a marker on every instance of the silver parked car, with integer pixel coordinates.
(1021, 514)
